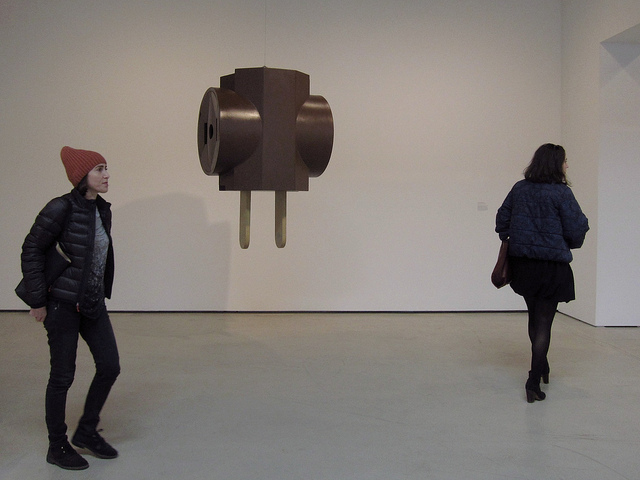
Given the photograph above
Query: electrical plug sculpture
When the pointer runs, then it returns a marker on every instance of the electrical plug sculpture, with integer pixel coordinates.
(262, 130)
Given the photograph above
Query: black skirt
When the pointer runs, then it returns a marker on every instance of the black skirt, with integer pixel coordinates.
(542, 279)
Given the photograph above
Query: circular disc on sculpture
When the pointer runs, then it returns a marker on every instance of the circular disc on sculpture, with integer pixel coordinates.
(229, 130)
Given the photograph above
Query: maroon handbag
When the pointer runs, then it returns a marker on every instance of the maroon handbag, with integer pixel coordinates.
(501, 274)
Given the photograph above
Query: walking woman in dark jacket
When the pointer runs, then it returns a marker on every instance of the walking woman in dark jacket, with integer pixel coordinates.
(542, 221)
(74, 304)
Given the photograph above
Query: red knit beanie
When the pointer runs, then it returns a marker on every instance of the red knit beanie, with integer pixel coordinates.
(78, 163)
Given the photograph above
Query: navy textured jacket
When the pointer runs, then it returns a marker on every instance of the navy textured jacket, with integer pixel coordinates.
(541, 221)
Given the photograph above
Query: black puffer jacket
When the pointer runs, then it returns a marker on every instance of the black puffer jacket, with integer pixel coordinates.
(70, 220)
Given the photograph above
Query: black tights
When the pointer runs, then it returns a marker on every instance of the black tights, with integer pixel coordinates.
(541, 313)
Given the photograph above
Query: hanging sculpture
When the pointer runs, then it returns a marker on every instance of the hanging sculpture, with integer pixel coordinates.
(262, 130)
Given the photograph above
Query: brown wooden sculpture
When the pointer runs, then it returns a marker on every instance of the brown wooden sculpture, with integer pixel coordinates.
(261, 130)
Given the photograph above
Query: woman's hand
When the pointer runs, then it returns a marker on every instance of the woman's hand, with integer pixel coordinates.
(39, 313)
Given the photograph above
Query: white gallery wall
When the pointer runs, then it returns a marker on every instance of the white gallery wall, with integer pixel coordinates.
(618, 182)
(600, 129)
(438, 106)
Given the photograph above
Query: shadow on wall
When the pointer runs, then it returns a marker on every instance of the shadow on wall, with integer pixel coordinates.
(168, 257)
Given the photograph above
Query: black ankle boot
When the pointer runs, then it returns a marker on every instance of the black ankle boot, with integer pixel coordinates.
(95, 444)
(64, 456)
(545, 373)
(532, 387)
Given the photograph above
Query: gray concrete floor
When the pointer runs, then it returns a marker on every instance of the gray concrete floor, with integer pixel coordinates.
(336, 396)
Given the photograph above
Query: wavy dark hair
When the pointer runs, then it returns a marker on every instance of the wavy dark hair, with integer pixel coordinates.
(547, 165)
(83, 186)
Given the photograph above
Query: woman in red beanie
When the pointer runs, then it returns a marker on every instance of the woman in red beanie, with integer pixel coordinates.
(73, 304)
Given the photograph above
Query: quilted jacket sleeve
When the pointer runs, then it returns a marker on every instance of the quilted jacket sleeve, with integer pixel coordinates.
(503, 217)
(574, 223)
(44, 232)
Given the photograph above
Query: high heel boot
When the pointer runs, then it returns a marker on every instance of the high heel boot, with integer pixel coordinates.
(532, 388)
(545, 373)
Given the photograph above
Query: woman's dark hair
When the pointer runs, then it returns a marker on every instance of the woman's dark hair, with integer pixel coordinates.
(83, 186)
(547, 165)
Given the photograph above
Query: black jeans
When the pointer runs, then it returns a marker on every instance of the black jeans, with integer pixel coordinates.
(64, 325)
